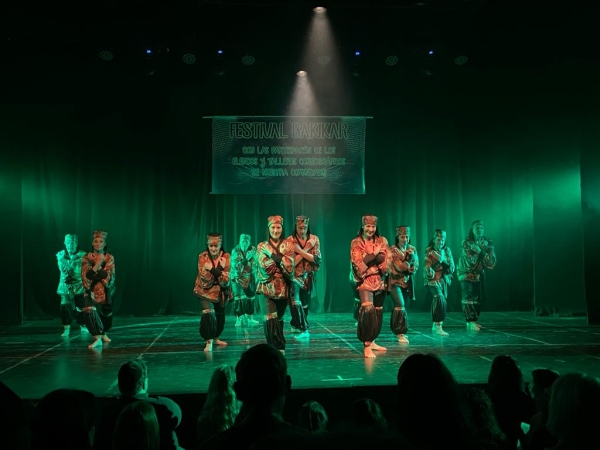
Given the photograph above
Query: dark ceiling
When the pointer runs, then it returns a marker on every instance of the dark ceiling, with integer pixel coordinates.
(524, 33)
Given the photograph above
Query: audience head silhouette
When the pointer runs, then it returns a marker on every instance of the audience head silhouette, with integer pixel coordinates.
(312, 417)
(542, 381)
(65, 420)
(574, 414)
(505, 375)
(137, 428)
(424, 381)
(133, 377)
(261, 376)
(367, 415)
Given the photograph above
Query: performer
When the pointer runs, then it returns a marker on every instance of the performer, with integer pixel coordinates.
(275, 268)
(439, 267)
(306, 264)
(213, 288)
(405, 263)
(98, 277)
(477, 254)
(243, 262)
(70, 287)
(370, 264)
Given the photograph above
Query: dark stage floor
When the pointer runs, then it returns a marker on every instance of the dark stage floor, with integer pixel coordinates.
(34, 359)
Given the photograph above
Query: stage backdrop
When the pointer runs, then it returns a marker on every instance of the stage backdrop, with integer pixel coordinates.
(288, 155)
(99, 152)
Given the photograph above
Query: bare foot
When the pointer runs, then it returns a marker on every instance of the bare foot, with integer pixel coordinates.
(105, 338)
(402, 339)
(282, 352)
(369, 352)
(97, 343)
(303, 335)
(374, 346)
(208, 347)
(437, 329)
(220, 342)
(472, 326)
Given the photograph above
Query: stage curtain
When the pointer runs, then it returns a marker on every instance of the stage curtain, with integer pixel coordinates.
(133, 159)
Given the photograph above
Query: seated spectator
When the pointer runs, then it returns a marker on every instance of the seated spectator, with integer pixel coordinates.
(574, 411)
(221, 406)
(137, 428)
(262, 384)
(313, 418)
(432, 411)
(538, 437)
(366, 415)
(482, 411)
(65, 421)
(512, 403)
(15, 416)
(133, 386)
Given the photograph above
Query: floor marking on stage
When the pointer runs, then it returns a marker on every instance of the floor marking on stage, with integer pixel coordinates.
(486, 358)
(503, 332)
(339, 337)
(114, 383)
(566, 327)
(341, 379)
(195, 320)
(35, 356)
(517, 336)
(425, 335)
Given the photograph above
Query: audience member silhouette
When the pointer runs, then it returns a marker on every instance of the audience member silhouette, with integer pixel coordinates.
(221, 406)
(482, 412)
(133, 386)
(538, 437)
(512, 403)
(366, 416)
(65, 421)
(262, 384)
(432, 411)
(574, 411)
(137, 428)
(15, 416)
(312, 417)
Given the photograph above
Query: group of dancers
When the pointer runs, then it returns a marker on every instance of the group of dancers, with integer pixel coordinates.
(86, 287)
(282, 271)
(376, 270)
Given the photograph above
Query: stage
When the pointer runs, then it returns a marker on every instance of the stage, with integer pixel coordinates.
(35, 360)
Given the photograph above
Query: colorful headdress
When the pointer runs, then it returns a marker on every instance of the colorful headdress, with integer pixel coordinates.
(71, 238)
(403, 230)
(302, 220)
(274, 219)
(441, 233)
(100, 234)
(477, 222)
(369, 220)
(214, 239)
